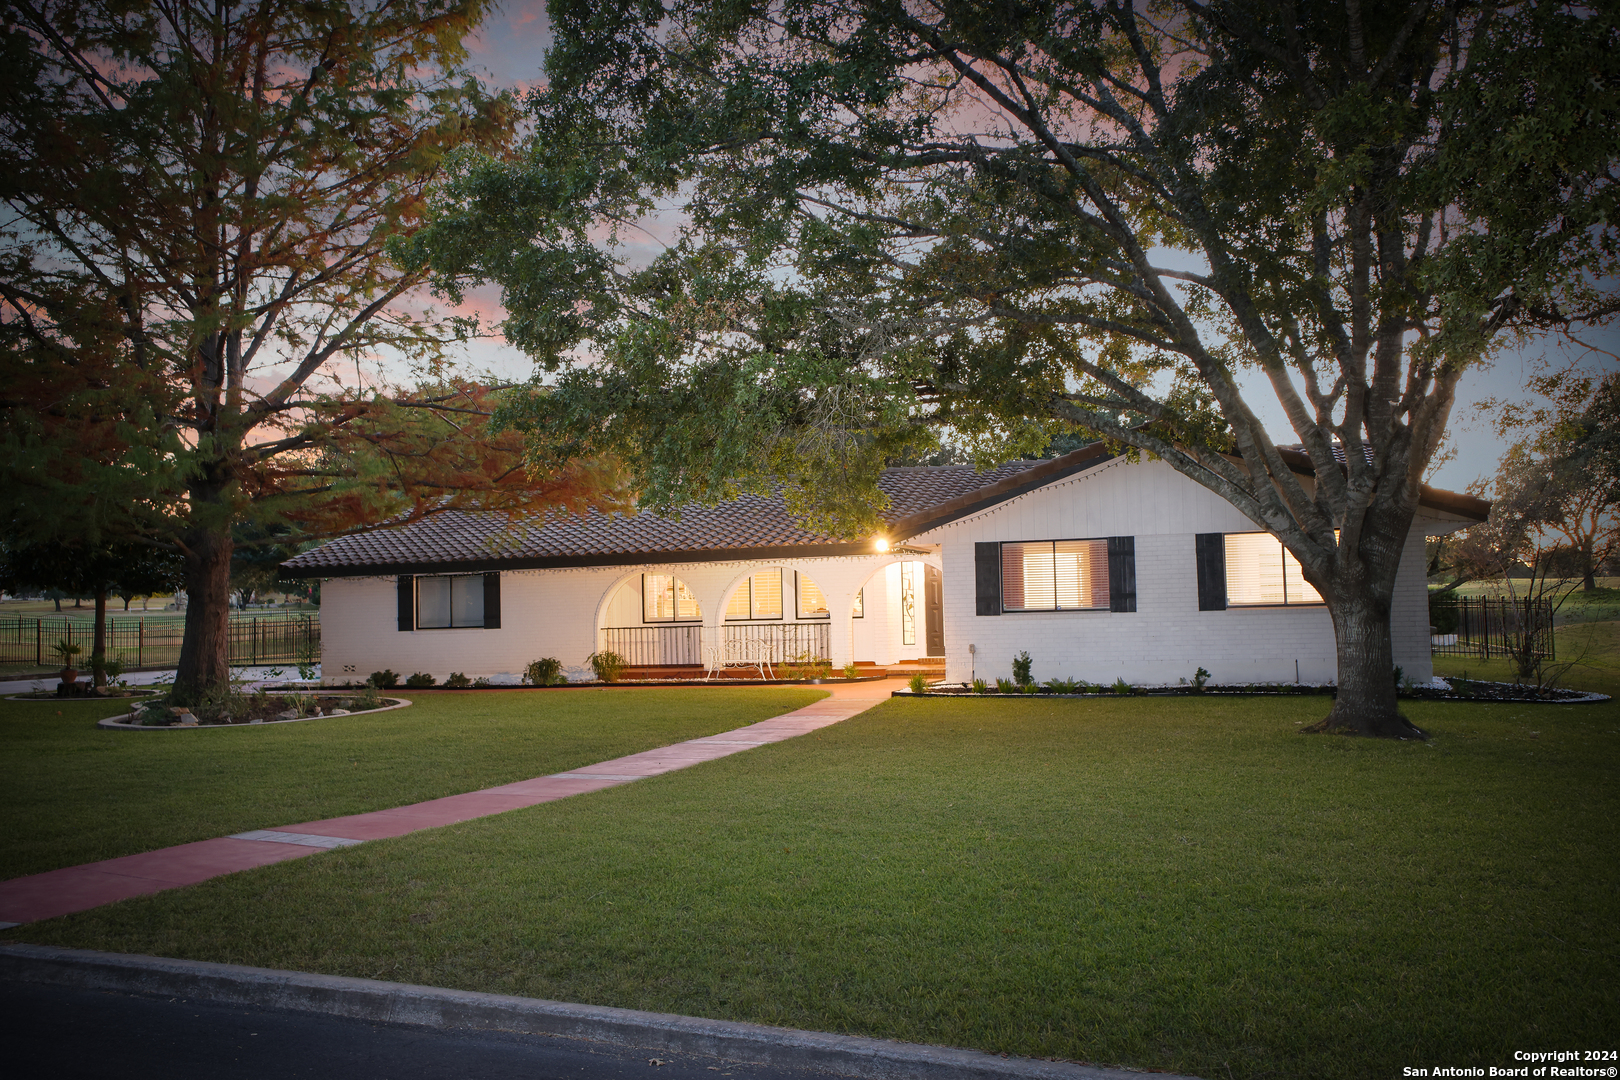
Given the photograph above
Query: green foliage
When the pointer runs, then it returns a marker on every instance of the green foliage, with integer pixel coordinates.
(546, 671)
(368, 697)
(607, 665)
(420, 680)
(386, 679)
(904, 221)
(457, 681)
(1122, 687)
(1200, 677)
(1066, 686)
(980, 686)
(1020, 666)
(851, 671)
(481, 682)
(67, 650)
(1006, 686)
(917, 683)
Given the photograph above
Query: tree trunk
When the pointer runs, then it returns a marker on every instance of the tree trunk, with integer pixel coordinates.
(1366, 703)
(205, 654)
(98, 651)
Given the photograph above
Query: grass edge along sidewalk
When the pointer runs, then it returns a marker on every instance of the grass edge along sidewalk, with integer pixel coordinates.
(443, 1009)
(79, 888)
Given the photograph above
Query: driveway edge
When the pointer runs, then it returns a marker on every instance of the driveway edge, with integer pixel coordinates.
(433, 1007)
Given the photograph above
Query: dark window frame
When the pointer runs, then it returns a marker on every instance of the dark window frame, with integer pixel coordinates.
(410, 588)
(1001, 591)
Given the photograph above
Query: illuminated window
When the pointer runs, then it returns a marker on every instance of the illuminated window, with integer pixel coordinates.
(760, 597)
(812, 601)
(665, 598)
(1259, 570)
(859, 610)
(1055, 575)
(446, 603)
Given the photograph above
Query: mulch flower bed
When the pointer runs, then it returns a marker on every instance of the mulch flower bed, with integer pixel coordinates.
(257, 709)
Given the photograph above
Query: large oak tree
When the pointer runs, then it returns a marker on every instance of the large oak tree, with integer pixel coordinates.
(1004, 221)
(201, 201)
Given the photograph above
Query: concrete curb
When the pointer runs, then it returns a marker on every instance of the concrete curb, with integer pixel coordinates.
(427, 1006)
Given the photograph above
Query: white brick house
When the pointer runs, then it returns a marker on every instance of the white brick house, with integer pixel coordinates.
(1098, 567)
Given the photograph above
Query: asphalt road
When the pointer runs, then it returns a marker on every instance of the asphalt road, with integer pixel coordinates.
(49, 1031)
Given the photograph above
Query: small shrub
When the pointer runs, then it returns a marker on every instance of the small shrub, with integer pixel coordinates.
(457, 681)
(546, 671)
(386, 679)
(1006, 686)
(1029, 688)
(1066, 686)
(1021, 664)
(420, 680)
(367, 698)
(1122, 687)
(1400, 676)
(980, 686)
(481, 682)
(851, 671)
(1200, 677)
(918, 684)
(608, 666)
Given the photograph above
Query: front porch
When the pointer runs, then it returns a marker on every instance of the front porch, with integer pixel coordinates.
(931, 668)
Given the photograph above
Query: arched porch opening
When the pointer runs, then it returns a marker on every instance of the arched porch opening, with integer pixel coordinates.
(653, 618)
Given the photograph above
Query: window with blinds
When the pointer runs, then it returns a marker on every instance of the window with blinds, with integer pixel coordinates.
(760, 597)
(812, 601)
(1259, 570)
(1054, 575)
(666, 598)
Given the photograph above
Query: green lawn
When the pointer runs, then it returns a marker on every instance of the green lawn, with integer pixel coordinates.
(72, 793)
(1182, 884)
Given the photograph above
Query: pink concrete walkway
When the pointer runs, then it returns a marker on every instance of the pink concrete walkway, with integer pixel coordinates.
(76, 888)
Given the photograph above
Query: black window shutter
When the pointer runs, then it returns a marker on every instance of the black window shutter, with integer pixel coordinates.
(1211, 551)
(1122, 573)
(492, 601)
(407, 602)
(987, 578)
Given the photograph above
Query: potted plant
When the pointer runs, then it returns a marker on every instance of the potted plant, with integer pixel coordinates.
(67, 651)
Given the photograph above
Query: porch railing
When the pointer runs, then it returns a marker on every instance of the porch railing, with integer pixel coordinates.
(656, 646)
(682, 643)
(786, 641)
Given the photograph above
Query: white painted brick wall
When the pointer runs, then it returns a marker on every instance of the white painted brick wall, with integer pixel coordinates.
(1167, 638)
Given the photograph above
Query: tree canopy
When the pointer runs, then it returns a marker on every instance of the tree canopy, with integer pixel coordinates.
(1010, 222)
(201, 203)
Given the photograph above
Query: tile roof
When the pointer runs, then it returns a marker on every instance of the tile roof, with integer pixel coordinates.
(752, 526)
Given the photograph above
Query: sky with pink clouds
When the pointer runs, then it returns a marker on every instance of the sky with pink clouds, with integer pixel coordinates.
(510, 49)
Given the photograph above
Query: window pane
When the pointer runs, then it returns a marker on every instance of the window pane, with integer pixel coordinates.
(467, 600)
(657, 597)
(812, 601)
(859, 610)
(686, 605)
(737, 606)
(1029, 576)
(768, 594)
(432, 602)
(1300, 591)
(1254, 569)
(1012, 576)
(1081, 568)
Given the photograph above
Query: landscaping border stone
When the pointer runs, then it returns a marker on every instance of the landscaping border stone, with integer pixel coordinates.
(117, 723)
(433, 1007)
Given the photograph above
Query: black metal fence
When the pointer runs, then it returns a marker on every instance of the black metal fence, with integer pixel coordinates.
(29, 642)
(1484, 627)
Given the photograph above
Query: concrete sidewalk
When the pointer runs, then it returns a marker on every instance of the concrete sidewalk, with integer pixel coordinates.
(77, 888)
